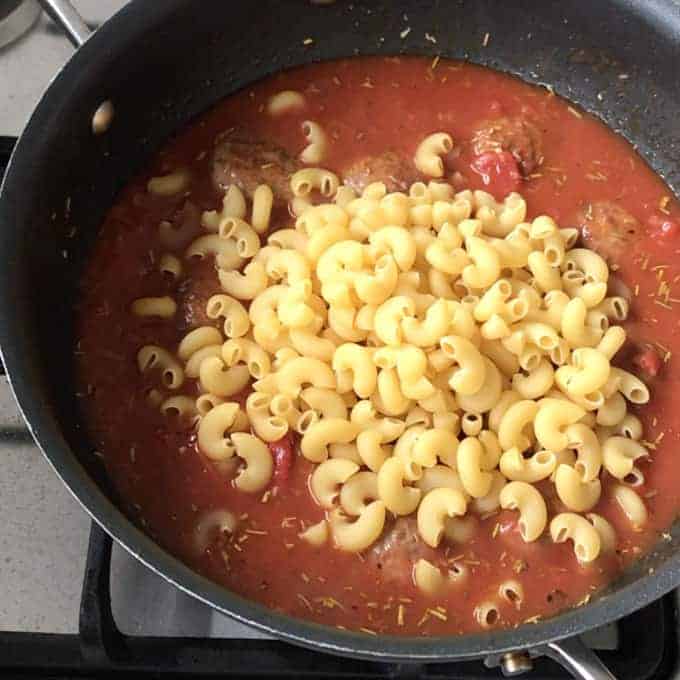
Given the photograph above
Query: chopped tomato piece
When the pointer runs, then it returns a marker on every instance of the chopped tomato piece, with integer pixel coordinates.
(283, 451)
(499, 172)
(649, 361)
(663, 227)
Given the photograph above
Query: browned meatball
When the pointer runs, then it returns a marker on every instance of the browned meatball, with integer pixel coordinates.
(193, 293)
(397, 172)
(246, 162)
(517, 135)
(397, 552)
(607, 228)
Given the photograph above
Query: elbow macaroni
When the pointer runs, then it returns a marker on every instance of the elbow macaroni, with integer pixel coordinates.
(428, 154)
(315, 150)
(380, 327)
(533, 514)
(586, 538)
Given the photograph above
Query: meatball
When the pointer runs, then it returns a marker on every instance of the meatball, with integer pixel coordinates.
(193, 293)
(397, 172)
(607, 228)
(397, 552)
(517, 135)
(246, 162)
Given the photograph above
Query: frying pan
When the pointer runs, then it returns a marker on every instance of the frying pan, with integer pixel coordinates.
(161, 64)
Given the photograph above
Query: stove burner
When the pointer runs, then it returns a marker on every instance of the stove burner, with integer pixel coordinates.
(16, 18)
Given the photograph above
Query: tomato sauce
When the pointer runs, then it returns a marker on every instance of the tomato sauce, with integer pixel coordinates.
(368, 106)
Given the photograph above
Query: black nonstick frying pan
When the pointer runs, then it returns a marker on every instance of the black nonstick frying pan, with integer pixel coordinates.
(161, 63)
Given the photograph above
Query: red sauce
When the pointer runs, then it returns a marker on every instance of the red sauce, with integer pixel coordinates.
(664, 228)
(370, 105)
(283, 451)
(499, 172)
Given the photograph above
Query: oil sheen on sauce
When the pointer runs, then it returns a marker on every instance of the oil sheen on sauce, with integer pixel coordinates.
(368, 106)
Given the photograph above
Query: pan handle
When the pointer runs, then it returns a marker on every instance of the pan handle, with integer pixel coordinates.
(66, 16)
(581, 661)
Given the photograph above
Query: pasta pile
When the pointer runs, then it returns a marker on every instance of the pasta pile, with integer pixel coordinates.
(438, 354)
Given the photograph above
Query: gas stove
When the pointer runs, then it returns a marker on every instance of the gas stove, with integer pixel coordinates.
(73, 603)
